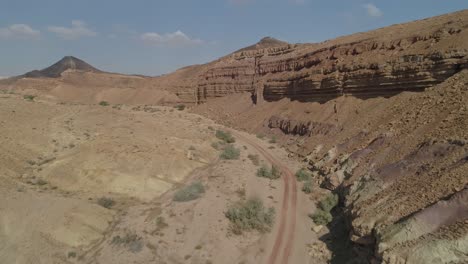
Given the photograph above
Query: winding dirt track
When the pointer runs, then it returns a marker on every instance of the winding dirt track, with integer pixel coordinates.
(284, 240)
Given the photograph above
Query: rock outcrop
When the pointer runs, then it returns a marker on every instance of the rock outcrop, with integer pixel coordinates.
(383, 62)
(56, 70)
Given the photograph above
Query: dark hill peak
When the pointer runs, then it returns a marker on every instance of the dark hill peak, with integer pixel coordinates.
(264, 43)
(66, 63)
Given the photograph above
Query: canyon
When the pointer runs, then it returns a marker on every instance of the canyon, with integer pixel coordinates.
(379, 118)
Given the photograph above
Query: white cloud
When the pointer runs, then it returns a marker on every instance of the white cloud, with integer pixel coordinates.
(372, 10)
(77, 30)
(177, 38)
(22, 31)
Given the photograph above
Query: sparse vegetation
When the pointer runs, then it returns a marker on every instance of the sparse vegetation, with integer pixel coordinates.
(215, 145)
(323, 216)
(254, 158)
(132, 241)
(71, 254)
(266, 172)
(161, 223)
(303, 175)
(250, 215)
(307, 187)
(180, 107)
(191, 148)
(329, 202)
(225, 136)
(104, 103)
(106, 202)
(261, 136)
(272, 140)
(230, 153)
(189, 193)
(29, 97)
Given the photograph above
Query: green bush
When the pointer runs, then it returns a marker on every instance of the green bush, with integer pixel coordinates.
(230, 153)
(215, 145)
(307, 187)
(254, 158)
(266, 172)
(261, 136)
(29, 97)
(303, 175)
(189, 193)
(250, 215)
(103, 103)
(225, 136)
(329, 202)
(321, 217)
(106, 202)
(180, 107)
(272, 140)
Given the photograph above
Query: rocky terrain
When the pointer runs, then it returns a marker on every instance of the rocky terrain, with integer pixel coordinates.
(384, 126)
(379, 118)
(383, 62)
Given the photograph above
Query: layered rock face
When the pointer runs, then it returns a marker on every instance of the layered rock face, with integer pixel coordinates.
(397, 159)
(384, 62)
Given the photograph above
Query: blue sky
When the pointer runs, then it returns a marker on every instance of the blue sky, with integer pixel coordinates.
(153, 37)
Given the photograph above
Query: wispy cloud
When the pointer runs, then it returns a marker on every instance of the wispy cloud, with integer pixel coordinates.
(21, 31)
(177, 38)
(77, 30)
(373, 10)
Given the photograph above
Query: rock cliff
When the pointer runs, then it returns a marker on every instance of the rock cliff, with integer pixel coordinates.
(383, 62)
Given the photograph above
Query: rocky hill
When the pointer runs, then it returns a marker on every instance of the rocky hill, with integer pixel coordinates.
(383, 62)
(56, 70)
(379, 118)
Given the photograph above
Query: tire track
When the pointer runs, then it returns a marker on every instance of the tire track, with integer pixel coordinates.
(284, 240)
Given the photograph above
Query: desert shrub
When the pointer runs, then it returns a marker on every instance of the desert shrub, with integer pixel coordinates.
(191, 148)
(180, 107)
(261, 136)
(254, 158)
(106, 202)
(132, 241)
(272, 140)
(225, 136)
(302, 175)
(230, 153)
(329, 202)
(29, 97)
(161, 223)
(321, 217)
(189, 193)
(215, 145)
(307, 187)
(266, 172)
(250, 215)
(103, 103)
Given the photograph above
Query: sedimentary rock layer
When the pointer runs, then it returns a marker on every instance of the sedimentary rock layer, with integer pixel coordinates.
(383, 62)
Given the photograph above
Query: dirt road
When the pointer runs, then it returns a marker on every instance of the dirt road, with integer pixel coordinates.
(284, 240)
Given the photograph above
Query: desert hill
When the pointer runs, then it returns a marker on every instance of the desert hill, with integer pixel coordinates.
(66, 63)
(378, 118)
(74, 80)
(382, 62)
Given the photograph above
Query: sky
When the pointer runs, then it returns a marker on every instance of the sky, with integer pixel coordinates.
(154, 37)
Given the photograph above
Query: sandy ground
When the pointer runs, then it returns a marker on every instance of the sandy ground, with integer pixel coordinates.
(59, 159)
